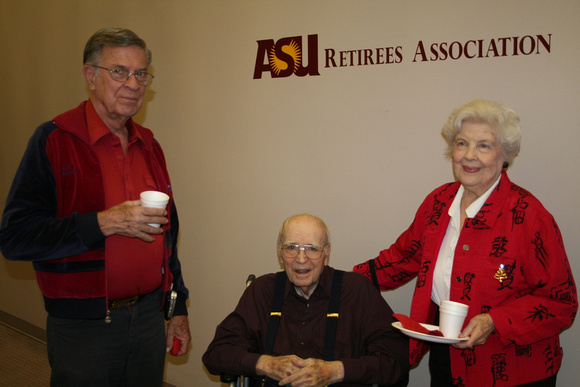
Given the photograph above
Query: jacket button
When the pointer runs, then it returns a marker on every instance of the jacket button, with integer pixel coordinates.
(458, 279)
(465, 247)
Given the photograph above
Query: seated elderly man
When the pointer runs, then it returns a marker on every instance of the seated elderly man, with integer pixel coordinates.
(310, 325)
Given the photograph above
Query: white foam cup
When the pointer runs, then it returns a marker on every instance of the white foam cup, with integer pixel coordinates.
(451, 317)
(154, 199)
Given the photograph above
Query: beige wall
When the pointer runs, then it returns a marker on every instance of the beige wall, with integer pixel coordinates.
(358, 146)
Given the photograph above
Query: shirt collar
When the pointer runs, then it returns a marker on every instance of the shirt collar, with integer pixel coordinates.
(324, 284)
(474, 207)
(98, 129)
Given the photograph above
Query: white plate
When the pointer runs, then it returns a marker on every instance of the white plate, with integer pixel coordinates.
(426, 337)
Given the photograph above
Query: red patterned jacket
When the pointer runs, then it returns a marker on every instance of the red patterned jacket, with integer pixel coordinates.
(530, 307)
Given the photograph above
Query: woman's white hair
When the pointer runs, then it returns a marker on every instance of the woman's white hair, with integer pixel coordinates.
(504, 120)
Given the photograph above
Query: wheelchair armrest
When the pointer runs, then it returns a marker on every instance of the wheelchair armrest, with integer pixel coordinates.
(228, 378)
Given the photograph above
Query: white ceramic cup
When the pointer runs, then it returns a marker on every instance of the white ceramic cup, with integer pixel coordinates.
(154, 199)
(451, 317)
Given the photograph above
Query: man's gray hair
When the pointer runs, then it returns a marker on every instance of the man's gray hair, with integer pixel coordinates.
(112, 37)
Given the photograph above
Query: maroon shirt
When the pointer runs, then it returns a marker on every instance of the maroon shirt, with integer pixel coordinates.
(371, 350)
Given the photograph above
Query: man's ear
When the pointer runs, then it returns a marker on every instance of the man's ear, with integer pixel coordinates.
(90, 73)
(279, 254)
(327, 255)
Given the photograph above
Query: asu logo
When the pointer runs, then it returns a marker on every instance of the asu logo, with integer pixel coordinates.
(285, 57)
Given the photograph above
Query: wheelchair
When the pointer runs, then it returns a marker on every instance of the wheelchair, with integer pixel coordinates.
(235, 380)
(244, 381)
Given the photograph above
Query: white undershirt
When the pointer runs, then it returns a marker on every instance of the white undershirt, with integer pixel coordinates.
(444, 264)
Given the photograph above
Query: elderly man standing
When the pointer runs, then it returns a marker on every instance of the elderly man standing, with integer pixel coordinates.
(310, 325)
(73, 210)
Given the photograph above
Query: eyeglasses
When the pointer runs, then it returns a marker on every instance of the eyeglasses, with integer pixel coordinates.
(121, 74)
(291, 250)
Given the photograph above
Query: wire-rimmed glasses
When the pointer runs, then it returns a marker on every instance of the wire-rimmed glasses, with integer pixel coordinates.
(121, 74)
(291, 250)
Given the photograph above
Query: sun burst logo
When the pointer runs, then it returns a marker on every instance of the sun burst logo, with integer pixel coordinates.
(286, 57)
(293, 50)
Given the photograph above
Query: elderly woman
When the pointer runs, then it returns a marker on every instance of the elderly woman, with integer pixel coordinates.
(488, 243)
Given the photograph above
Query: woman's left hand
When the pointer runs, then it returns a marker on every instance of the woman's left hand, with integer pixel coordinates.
(478, 330)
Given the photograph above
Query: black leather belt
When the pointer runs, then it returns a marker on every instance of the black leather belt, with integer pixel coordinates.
(119, 304)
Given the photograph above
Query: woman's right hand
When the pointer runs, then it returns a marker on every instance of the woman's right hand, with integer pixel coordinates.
(478, 330)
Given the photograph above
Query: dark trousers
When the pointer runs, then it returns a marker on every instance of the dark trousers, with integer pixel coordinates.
(256, 382)
(440, 368)
(130, 351)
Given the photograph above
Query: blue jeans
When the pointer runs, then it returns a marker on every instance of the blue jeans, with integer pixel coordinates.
(130, 351)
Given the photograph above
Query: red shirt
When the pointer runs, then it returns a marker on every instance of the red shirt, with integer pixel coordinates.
(133, 266)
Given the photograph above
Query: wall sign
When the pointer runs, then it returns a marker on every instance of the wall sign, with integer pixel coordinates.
(287, 56)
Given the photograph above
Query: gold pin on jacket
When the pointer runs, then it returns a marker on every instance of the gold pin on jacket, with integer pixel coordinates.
(500, 274)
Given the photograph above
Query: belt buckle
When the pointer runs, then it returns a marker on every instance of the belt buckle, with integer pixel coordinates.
(124, 303)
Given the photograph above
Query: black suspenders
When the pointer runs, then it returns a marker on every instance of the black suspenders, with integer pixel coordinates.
(373, 271)
(331, 316)
(276, 312)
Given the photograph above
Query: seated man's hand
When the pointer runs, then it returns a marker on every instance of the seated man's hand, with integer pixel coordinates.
(276, 367)
(131, 220)
(314, 373)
